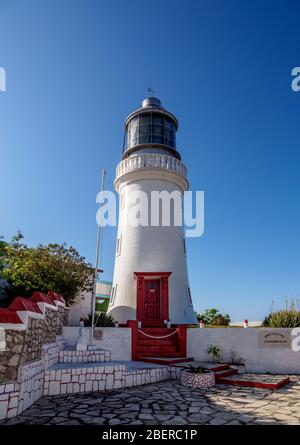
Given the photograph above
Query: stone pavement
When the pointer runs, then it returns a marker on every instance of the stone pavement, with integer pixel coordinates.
(169, 403)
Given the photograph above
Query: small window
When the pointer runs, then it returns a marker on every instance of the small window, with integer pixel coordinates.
(189, 295)
(119, 245)
(122, 200)
(184, 246)
(113, 295)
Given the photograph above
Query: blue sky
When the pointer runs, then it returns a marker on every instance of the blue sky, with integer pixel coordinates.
(76, 68)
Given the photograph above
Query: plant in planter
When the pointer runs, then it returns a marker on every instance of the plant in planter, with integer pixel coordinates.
(197, 377)
(197, 370)
(215, 352)
(237, 362)
(101, 320)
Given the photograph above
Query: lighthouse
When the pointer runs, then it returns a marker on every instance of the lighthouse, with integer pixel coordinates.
(150, 283)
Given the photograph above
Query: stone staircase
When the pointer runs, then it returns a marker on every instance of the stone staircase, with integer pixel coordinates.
(159, 345)
(157, 342)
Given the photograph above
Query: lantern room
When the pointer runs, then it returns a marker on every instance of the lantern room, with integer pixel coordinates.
(151, 127)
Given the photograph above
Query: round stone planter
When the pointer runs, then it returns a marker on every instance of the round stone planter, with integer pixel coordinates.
(192, 380)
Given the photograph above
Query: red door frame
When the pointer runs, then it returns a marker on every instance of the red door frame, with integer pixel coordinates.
(164, 294)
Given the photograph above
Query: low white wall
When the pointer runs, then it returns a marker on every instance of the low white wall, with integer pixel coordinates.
(116, 340)
(244, 342)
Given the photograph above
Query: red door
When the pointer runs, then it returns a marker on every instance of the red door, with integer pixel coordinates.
(152, 309)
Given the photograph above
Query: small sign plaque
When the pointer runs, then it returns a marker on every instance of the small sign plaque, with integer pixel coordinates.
(98, 334)
(274, 339)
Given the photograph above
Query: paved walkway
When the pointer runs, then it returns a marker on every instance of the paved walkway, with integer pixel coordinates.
(169, 403)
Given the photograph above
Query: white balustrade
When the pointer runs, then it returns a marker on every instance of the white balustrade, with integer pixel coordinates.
(151, 161)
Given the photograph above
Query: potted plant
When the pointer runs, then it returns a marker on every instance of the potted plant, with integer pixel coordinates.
(199, 377)
(215, 352)
(237, 363)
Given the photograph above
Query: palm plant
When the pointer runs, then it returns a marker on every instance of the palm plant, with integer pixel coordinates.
(101, 320)
(197, 370)
(215, 352)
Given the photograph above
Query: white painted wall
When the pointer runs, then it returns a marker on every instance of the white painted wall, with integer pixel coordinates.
(244, 342)
(116, 340)
(81, 308)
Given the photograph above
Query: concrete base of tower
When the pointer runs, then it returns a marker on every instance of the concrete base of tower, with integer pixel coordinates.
(123, 314)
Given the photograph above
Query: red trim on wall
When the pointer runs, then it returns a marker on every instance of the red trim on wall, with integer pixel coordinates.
(152, 274)
(23, 304)
(55, 296)
(9, 316)
(38, 297)
(182, 329)
(133, 324)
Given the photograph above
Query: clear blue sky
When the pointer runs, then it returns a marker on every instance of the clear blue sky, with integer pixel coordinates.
(76, 68)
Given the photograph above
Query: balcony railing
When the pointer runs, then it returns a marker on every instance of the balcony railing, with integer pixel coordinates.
(151, 161)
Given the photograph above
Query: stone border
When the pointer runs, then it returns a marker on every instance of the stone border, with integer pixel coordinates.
(193, 380)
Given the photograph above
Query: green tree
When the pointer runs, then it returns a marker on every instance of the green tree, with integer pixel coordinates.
(56, 267)
(209, 315)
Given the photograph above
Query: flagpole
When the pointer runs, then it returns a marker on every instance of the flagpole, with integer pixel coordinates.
(93, 308)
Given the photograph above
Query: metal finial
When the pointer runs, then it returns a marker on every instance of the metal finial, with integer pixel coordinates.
(150, 90)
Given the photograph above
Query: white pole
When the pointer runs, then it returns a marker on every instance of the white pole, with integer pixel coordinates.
(96, 269)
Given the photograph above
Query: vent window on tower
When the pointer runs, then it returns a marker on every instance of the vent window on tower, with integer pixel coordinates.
(122, 200)
(119, 245)
(183, 247)
(113, 295)
(189, 295)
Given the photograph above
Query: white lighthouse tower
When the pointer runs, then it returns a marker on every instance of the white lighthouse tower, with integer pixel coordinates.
(150, 281)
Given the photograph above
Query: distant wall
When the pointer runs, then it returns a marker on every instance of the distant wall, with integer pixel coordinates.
(116, 340)
(82, 305)
(81, 308)
(245, 343)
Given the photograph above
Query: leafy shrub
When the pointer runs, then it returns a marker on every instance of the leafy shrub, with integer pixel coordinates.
(209, 315)
(215, 352)
(220, 320)
(286, 318)
(56, 267)
(236, 360)
(101, 320)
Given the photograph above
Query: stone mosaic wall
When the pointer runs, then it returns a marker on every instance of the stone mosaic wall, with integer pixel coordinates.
(26, 345)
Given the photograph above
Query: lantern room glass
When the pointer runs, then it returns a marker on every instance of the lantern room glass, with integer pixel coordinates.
(151, 128)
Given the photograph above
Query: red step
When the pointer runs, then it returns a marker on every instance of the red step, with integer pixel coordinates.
(226, 373)
(255, 383)
(156, 354)
(166, 360)
(149, 341)
(157, 344)
(217, 368)
(156, 331)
